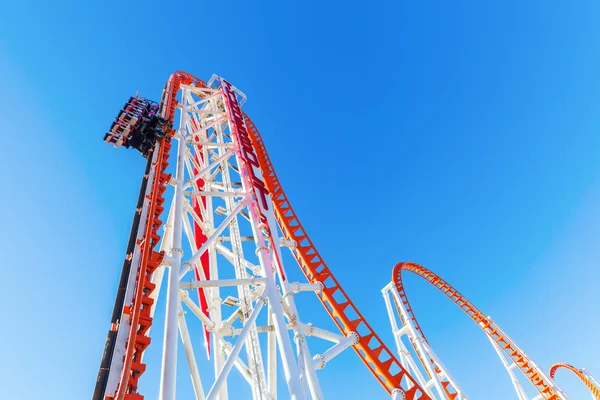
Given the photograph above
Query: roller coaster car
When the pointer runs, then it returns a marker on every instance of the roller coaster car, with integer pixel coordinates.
(128, 117)
(138, 125)
(115, 140)
(121, 128)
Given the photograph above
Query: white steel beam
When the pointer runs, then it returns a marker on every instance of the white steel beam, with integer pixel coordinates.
(320, 360)
(311, 330)
(211, 239)
(185, 298)
(207, 169)
(223, 282)
(216, 194)
(239, 364)
(271, 360)
(169, 362)
(189, 353)
(212, 395)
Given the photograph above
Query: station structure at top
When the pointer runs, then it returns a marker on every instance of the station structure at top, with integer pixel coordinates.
(224, 246)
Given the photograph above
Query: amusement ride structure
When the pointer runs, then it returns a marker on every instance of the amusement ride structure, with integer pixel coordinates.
(219, 250)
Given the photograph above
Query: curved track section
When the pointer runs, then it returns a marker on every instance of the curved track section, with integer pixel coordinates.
(595, 391)
(372, 351)
(528, 367)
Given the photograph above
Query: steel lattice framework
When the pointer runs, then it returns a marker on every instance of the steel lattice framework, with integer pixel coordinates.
(220, 254)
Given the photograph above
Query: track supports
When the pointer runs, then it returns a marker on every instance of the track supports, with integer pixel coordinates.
(168, 374)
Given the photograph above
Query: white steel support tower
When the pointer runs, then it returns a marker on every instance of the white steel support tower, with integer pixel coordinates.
(222, 243)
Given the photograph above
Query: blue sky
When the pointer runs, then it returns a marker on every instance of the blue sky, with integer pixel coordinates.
(461, 136)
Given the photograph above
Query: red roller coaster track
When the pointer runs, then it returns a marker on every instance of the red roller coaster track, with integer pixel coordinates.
(595, 391)
(370, 348)
(490, 328)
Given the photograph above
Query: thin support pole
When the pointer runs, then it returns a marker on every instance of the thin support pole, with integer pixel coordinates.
(311, 374)
(168, 374)
(405, 357)
(417, 341)
(239, 364)
(272, 360)
(189, 353)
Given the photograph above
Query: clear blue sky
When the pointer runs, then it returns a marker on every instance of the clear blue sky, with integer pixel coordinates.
(460, 135)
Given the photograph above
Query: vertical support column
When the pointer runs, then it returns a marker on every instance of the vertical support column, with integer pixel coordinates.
(309, 370)
(290, 368)
(215, 314)
(253, 350)
(215, 304)
(301, 366)
(189, 353)
(272, 360)
(395, 329)
(516, 384)
(254, 187)
(418, 343)
(405, 358)
(168, 374)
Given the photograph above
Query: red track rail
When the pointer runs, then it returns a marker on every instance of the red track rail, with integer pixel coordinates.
(371, 350)
(489, 327)
(593, 389)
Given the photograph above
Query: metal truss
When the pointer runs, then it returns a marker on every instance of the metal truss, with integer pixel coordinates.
(221, 241)
(438, 382)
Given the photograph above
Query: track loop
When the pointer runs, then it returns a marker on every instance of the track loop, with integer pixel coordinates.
(531, 371)
(595, 391)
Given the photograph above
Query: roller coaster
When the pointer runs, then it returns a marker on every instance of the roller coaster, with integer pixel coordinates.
(222, 252)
